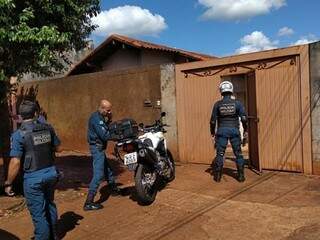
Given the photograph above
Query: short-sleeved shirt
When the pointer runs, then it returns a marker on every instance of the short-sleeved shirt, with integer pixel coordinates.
(17, 140)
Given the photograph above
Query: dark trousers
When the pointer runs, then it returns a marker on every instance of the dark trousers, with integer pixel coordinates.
(223, 135)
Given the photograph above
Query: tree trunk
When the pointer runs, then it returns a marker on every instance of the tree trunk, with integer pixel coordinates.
(9, 125)
(5, 130)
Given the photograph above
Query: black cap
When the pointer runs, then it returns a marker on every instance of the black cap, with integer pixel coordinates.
(27, 109)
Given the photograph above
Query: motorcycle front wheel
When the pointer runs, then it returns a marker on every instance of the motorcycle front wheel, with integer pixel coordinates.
(145, 184)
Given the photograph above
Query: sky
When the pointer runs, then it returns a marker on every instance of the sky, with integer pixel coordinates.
(215, 27)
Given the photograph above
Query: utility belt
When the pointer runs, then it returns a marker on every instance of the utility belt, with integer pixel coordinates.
(229, 124)
(38, 168)
(34, 164)
(99, 145)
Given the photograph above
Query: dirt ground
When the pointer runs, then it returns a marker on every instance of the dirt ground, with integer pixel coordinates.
(275, 205)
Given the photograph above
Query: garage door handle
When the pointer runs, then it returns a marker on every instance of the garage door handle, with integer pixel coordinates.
(254, 118)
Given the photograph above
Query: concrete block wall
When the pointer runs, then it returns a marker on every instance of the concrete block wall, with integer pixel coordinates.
(314, 53)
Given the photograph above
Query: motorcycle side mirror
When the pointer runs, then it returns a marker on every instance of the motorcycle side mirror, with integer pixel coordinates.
(163, 114)
(141, 125)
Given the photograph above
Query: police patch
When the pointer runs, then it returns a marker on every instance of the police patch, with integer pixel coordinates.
(41, 138)
(227, 109)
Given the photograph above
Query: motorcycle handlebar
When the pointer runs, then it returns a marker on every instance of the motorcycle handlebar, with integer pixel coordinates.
(154, 127)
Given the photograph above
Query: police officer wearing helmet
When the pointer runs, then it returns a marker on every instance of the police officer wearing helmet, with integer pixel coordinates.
(227, 112)
(98, 136)
(33, 146)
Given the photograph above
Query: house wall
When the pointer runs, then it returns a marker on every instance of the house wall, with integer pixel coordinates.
(149, 57)
(69, 101)
(129, 58)
(122, 59)
(315, 103)
(168, 105)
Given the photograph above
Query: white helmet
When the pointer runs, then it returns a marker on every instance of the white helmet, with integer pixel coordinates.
(226, 86)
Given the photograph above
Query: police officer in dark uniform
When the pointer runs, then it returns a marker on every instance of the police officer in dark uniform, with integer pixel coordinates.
(98, 135)
(227, 112)
(33, 146)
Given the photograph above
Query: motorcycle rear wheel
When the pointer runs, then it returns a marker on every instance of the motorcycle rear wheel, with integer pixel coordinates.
(146, 188)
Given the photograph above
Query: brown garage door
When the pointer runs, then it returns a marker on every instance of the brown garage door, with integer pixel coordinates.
(195, 96)
(279, 128)
(278, 110)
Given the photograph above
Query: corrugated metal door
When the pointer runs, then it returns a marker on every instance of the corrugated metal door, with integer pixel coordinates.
(195, 98)
(278, 107)
(279, 128)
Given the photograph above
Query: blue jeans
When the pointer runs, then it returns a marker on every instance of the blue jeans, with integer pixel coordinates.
(39, 193)
(223, 135)
(101, 169)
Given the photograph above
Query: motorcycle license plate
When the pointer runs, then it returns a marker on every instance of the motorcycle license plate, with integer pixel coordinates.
(130, 158)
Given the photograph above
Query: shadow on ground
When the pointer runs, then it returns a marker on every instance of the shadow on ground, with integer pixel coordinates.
(4, 235)
(67, 222)
(77, 171)
(227, 171)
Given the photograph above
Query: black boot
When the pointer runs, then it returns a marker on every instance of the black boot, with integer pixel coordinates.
(217, 175)
(90, 205)
(114, 190)
(241, 177)
(55, 233)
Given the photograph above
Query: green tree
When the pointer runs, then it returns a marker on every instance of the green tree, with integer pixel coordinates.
(36, 35)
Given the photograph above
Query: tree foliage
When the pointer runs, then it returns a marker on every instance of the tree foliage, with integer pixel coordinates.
(37, 35)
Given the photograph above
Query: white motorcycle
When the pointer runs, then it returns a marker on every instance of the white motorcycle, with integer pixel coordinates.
(147, 155)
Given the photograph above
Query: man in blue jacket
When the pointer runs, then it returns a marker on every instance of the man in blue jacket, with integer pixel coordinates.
(98, 135)
(227, 113)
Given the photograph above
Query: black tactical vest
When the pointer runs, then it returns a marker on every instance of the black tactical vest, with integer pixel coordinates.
(228, 115)
(38, 152)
